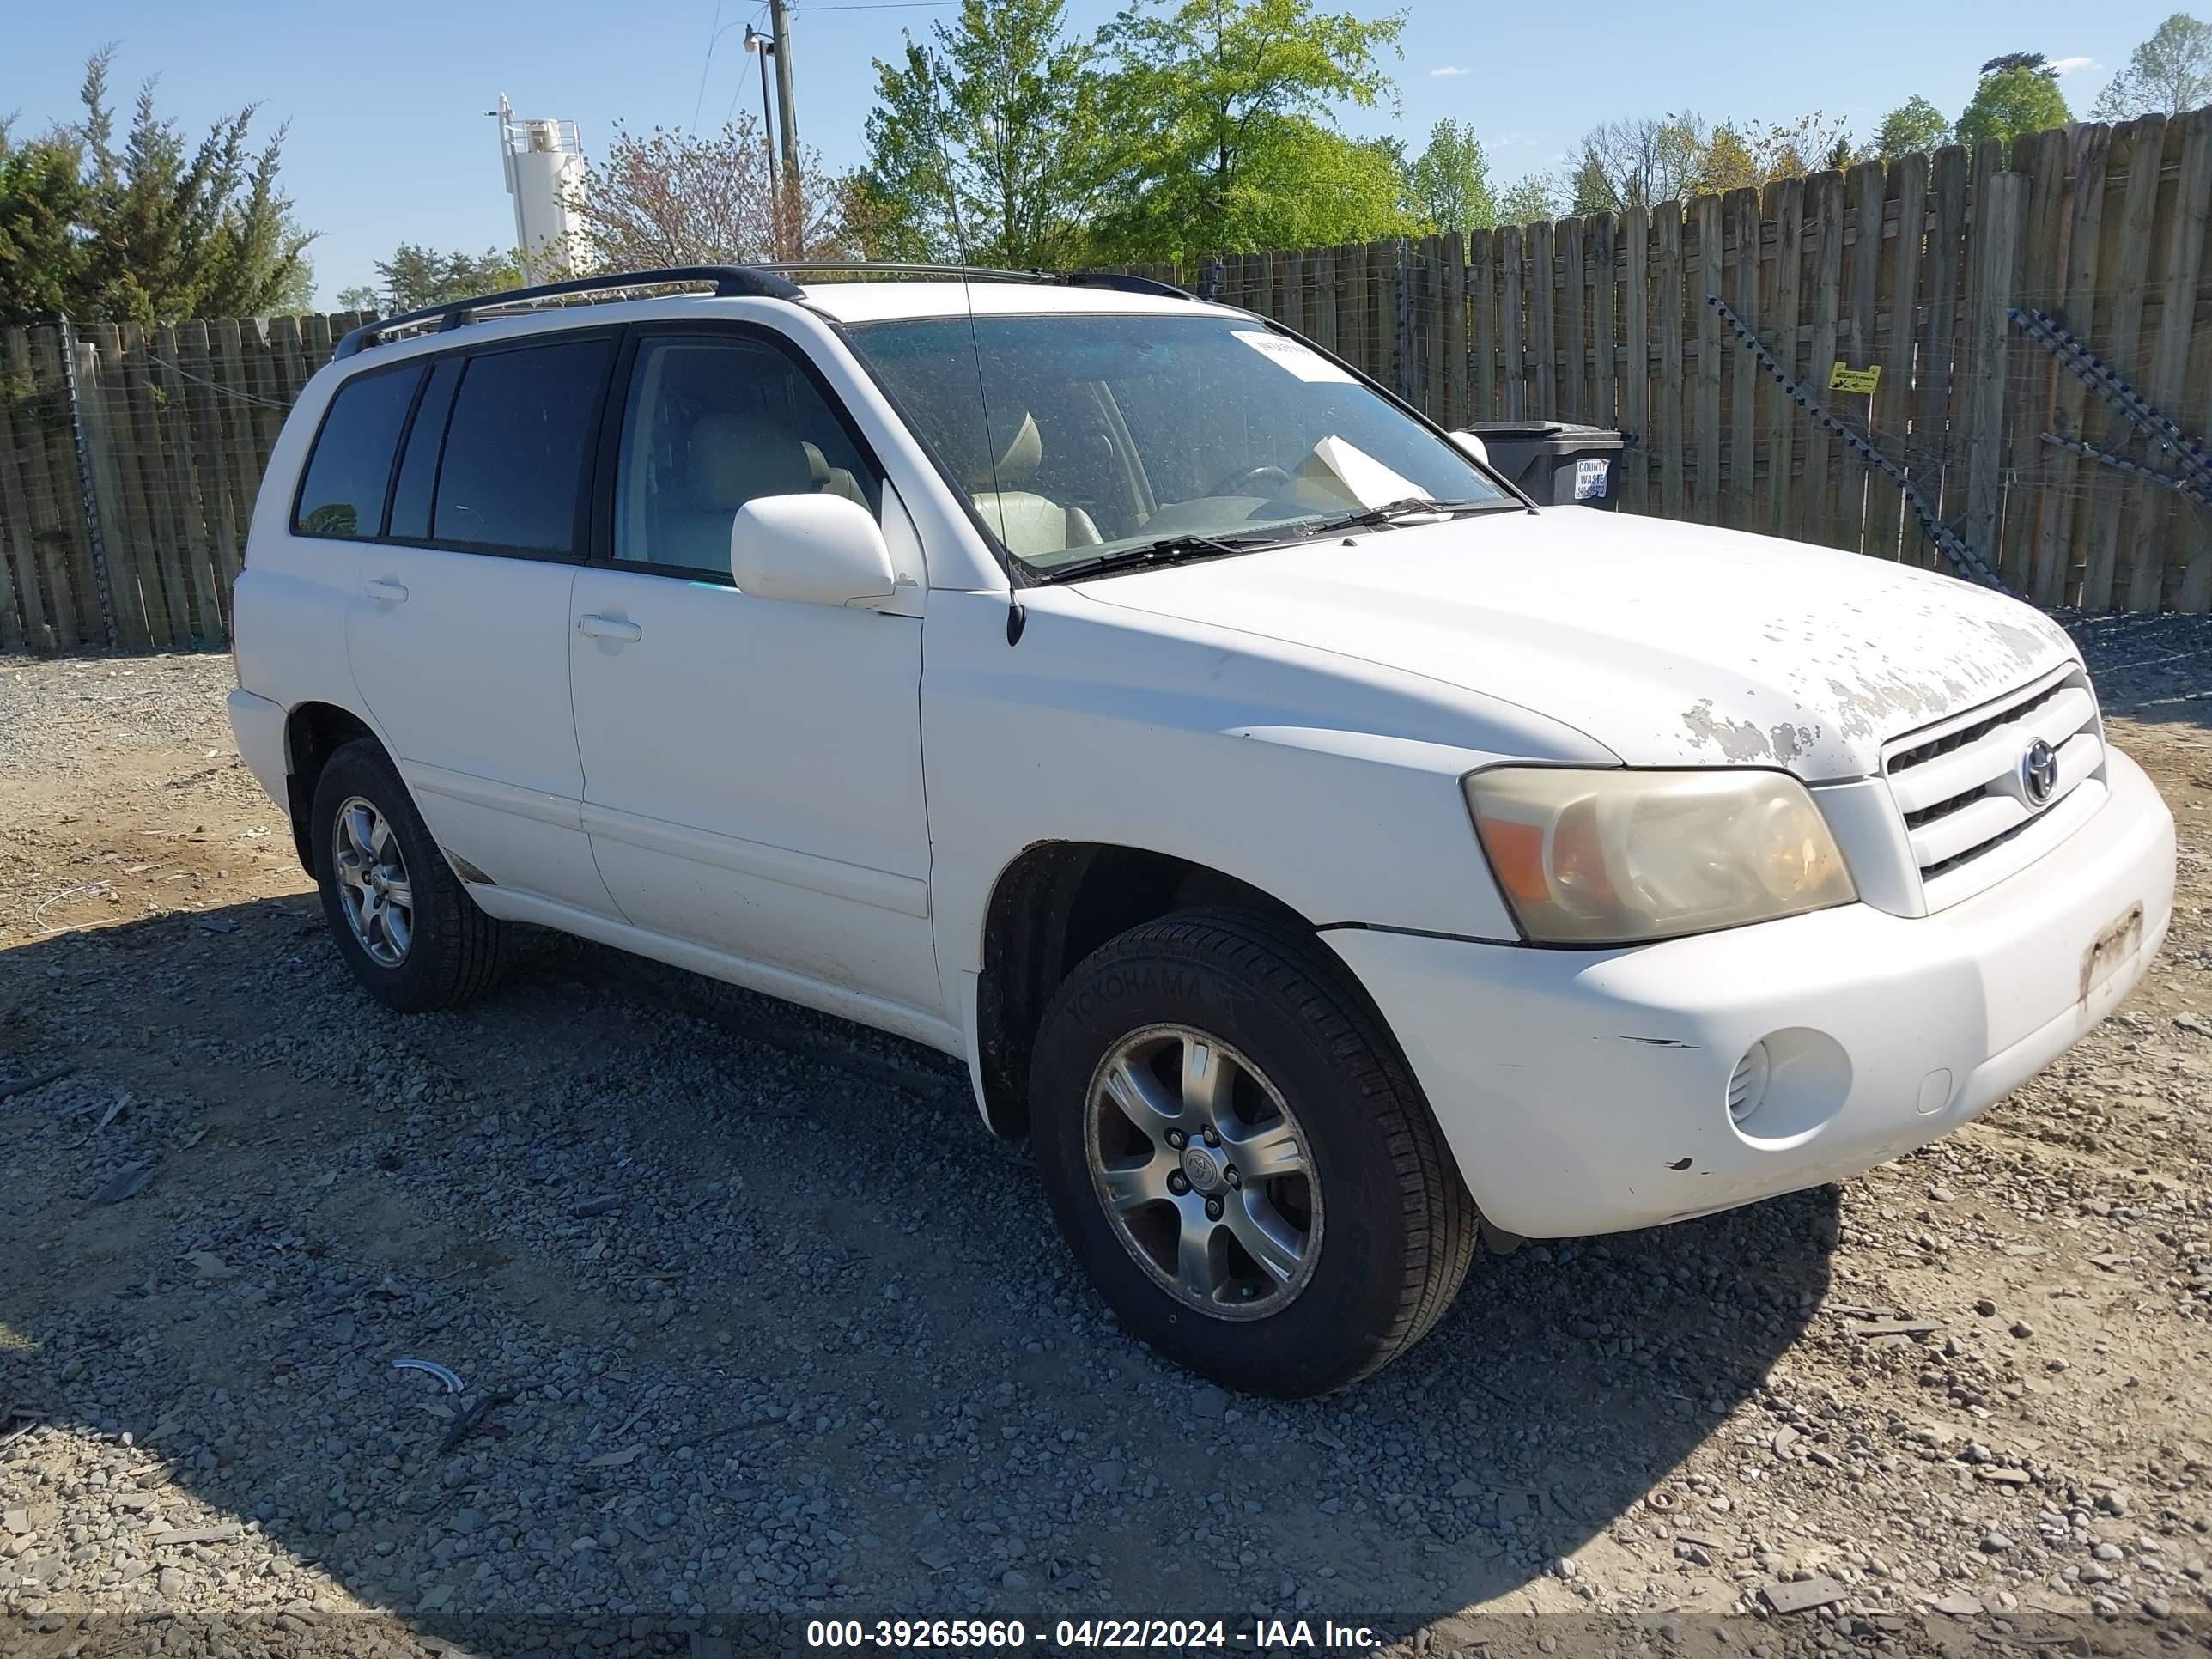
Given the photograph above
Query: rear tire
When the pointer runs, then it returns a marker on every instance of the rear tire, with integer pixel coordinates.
(1303, 1137)
(403, 922)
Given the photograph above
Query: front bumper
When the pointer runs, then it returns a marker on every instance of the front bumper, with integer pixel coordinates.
(1586, 1091)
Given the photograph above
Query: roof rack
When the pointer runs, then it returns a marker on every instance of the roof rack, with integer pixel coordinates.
(1105, 279)
(768, 282)
(754, 281)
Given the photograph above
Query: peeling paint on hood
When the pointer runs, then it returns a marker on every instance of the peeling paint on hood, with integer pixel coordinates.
(1672, 644)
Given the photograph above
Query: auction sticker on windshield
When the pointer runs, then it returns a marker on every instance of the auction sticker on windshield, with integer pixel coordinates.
(1301, 361)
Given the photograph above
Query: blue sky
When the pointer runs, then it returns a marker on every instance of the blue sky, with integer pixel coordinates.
(389, 141)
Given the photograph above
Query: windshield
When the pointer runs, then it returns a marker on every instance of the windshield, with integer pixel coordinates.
(1082, 435)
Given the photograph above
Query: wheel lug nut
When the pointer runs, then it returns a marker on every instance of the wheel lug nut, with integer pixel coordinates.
(1212, 1137)
(1229, 1174)
(1214, 1209)
(1177, 1184)
(1178, 1140)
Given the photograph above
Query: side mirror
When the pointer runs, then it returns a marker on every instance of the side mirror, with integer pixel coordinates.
(1472, 445)
(810, 549)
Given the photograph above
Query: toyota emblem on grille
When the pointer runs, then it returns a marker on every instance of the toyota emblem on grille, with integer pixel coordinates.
(2038, 771)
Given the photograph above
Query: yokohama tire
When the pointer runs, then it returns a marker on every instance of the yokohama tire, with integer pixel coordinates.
(1394, 1228)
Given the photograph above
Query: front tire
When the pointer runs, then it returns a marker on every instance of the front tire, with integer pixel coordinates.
(1239, 1159)
(403, 922)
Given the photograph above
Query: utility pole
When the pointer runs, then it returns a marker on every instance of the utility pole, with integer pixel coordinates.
(779, 23)
(757, 42)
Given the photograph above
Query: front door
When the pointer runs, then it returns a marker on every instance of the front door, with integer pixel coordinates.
(752, 767)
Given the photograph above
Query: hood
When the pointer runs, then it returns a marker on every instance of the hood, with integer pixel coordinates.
(1672, 644)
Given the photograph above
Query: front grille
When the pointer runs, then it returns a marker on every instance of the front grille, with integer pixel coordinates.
(1963, 787)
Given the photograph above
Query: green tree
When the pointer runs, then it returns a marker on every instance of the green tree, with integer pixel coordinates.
(2170, 72)
(1449, 180)
(987, 142)
(1725, 162)
(415, 276)
(42, 198)
(1913, 126)
(1533, 199)
(1213, 95)
(1310, 186)
(172, 230)
(2017, 93)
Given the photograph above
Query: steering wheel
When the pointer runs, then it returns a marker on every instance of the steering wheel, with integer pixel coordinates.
(1239, 483)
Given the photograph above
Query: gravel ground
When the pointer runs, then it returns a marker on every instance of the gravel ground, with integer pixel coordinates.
(749, 1316)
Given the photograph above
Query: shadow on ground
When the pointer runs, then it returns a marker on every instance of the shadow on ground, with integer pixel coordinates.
(2154, 669)
(784, 1330)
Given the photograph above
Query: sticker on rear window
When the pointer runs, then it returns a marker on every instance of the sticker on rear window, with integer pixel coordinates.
(1301, 361)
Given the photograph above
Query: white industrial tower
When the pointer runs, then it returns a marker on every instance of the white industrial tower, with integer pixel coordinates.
(543, 163)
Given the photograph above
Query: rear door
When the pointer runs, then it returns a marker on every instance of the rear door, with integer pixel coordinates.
(459, 634)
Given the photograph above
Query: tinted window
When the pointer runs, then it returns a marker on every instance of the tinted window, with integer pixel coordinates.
(710, 424)
(514, 467)
(418, 467)
(342, 494)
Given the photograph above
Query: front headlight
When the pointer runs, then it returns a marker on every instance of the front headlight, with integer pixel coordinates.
(1623, 857)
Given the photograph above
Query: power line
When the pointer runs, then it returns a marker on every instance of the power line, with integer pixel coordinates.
(714, 34)
(878, 5)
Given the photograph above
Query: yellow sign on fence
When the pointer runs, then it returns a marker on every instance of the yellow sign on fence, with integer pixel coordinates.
(1844, 378)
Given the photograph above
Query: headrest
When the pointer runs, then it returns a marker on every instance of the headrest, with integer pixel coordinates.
(731, 459)
(1018, 462)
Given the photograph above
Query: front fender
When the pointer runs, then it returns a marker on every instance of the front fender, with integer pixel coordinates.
(1330, 784)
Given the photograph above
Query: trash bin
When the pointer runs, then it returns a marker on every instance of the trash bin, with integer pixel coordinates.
(1557, 463)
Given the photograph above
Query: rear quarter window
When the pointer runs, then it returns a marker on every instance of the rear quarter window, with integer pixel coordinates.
(349, 469)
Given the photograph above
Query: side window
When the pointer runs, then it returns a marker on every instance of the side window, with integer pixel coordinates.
(419, 467)
(343, 492)
(710, 424)
(512, 471)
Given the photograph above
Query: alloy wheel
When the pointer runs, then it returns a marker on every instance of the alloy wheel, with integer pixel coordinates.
(373, 885)
(1203, 1171)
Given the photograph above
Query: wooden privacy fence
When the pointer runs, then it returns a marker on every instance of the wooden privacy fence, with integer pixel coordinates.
(129, 462)
(130, 458)
(1909, 267)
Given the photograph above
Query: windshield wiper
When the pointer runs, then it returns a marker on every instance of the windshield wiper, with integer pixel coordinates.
(1173, 549)
(1394, 513)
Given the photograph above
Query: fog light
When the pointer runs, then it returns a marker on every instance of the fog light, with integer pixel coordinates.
(1747, 1083)
(1787, 1087)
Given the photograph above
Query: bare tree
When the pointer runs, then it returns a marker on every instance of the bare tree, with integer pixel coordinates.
(672, 198)
(1635, 163)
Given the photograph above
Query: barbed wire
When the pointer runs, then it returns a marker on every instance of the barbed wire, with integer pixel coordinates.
(2114, 388)
(217, 386)
(2187, 487)
(1946, 541)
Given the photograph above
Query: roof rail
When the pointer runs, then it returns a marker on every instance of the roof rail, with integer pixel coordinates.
(1105, 279)
(757, 281)
(1116, 280)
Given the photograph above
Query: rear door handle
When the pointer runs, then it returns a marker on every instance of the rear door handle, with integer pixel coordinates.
(608, 628)
(383, 589)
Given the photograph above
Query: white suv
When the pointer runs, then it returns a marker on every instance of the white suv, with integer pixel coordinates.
(1325, 856)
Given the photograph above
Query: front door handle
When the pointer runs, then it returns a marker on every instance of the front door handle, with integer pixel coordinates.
(608, 628)
(382, 588)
